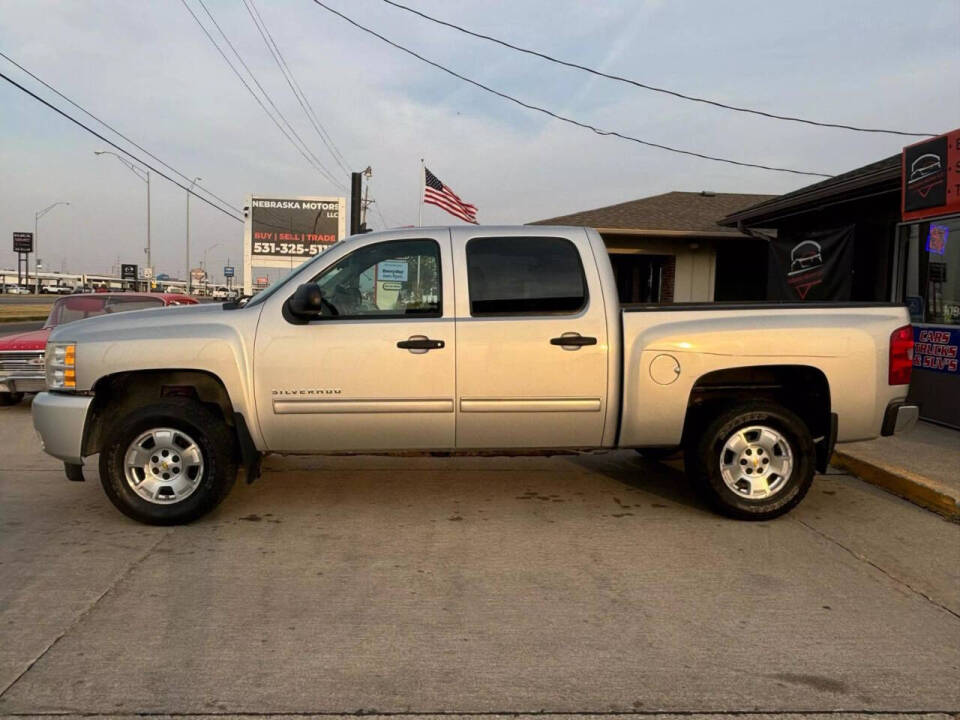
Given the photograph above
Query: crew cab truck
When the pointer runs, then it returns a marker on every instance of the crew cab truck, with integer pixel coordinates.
(460, 339)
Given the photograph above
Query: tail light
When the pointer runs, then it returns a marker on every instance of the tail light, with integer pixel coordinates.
(901, 355)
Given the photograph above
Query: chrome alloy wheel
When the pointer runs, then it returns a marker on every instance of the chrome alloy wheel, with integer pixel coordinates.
(163, 466)
(756, 462)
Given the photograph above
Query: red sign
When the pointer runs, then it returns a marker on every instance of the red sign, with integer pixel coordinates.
(931, 177)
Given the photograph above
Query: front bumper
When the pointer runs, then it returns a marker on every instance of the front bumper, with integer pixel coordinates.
(899, 418)
(60, 420)
(23, 383)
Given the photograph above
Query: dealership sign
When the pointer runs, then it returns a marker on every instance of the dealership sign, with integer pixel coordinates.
(23, 242)
(931, 177)
(282, 232)
(936, 349)
(128, 272)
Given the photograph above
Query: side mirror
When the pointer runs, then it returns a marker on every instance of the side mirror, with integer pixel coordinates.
(306, 302)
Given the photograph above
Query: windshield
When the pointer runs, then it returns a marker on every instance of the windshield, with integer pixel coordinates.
(69, 309)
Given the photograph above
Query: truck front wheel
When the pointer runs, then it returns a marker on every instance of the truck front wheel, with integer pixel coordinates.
(10, 398)
(755, 461)
(168, 463)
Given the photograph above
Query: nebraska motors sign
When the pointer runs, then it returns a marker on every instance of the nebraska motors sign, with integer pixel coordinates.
(931, 177)
(294, 227)
(284, 231)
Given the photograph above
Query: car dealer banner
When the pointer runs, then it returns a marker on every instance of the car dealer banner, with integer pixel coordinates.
(811, 266)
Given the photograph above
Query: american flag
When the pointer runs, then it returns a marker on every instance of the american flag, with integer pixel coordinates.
(436, 193)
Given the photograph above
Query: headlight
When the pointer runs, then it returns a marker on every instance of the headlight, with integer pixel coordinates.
(61, 360)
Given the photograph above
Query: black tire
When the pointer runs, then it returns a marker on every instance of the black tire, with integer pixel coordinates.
(211, 434)
(8, 398)
(703, 453)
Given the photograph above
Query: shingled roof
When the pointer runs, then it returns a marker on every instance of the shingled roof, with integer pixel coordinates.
(695, 213)
(883, 175)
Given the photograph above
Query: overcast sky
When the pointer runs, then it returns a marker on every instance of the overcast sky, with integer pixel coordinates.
(147, 68)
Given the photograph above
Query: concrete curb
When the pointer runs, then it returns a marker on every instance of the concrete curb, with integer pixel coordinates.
(923, 491)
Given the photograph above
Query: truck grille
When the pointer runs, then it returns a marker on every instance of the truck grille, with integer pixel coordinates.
(28, 362)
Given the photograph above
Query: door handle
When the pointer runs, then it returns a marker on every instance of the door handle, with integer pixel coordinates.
(419, 342)
(573, 340)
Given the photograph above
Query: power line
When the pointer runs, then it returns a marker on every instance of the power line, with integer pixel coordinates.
(563, 118)
(653, 88)
(113, 129)
(115, 146)
(317, 163)
(314, 164)
(294, 85)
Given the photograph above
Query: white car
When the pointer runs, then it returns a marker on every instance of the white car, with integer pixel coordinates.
(16, 290)
(220, 293)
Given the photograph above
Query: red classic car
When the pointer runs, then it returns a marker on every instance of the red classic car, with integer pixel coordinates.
(21, 355)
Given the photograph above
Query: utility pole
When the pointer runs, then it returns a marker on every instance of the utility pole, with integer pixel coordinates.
(355, 182)
(368, 173)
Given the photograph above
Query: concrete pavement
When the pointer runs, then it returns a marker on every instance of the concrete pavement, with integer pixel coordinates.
(576, 585)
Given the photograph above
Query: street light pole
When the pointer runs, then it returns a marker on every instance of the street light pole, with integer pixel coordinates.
(195, 181)
(203, 264)
(149, 262)
(143, 175)
(36, 240)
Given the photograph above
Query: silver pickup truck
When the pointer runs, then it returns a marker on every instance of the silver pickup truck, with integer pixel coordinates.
(467, 338)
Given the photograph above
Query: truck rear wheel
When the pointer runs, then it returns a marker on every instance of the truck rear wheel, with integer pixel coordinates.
(755, 461)
(168, 463)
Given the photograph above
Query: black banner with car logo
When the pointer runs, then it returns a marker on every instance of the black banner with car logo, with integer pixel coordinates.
(813, 265)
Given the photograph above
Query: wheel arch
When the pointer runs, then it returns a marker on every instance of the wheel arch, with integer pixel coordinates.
(120, 392)
(802, 389)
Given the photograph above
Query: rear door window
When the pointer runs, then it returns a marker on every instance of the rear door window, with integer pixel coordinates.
(525, 276)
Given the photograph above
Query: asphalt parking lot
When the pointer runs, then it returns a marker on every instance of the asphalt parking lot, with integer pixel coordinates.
(573, 585)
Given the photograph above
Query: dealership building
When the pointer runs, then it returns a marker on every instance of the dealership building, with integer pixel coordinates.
(670, 247)
(888, 231)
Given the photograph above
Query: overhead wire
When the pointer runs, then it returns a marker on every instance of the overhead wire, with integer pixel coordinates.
(646, 86)
(112, 129)
(116, 147)
(304, 151)
(291, 79)
(563, 118)
(317, 162)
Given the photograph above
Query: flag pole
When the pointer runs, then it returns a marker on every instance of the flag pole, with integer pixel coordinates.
(420, 196)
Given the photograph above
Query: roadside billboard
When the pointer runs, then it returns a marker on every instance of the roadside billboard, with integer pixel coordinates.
(282, 232)
(23, 242)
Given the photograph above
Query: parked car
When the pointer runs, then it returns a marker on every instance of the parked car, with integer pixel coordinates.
(464, 339)
(22, 354)
(17, 290)
(220, 293)
(56, 289)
